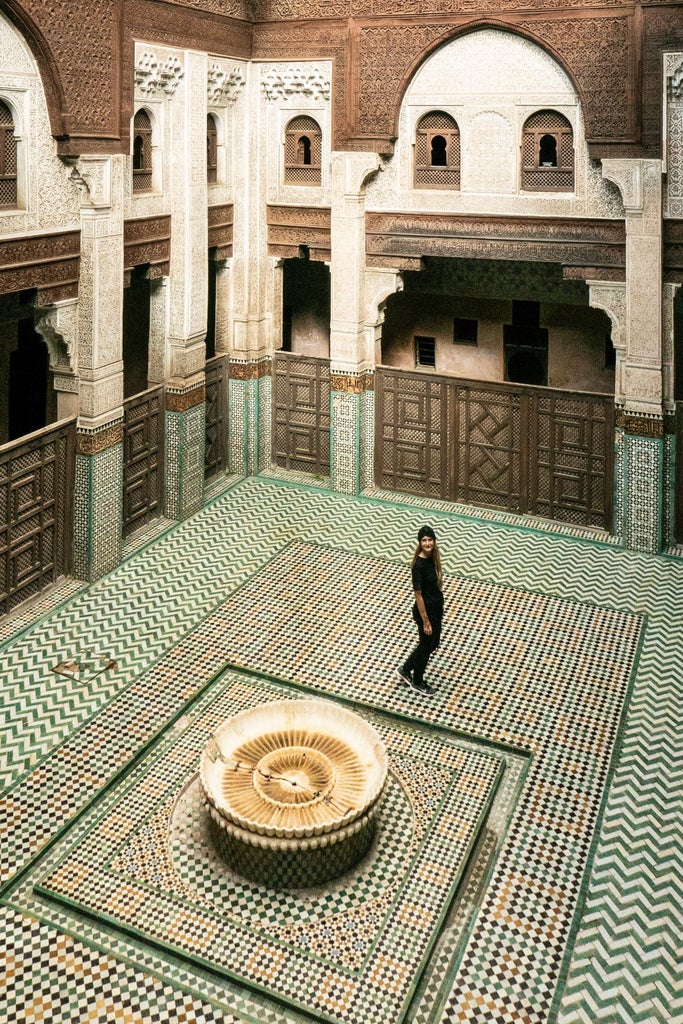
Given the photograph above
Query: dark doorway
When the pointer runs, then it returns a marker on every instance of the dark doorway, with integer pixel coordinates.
(28, 379)
(306, 307)
(136, 332)
(211, 309)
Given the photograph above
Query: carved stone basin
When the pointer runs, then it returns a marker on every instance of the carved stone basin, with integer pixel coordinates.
(293, 789)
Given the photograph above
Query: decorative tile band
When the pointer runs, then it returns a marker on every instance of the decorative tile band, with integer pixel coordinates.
(187, 398)
(98, 512)
(345, 442)
(643, 487)
(90, 442)
(250, 371)
(639, 425)
(352, 383)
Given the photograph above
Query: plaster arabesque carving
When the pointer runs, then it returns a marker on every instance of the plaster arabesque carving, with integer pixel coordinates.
(152, 77)
(58, 327)
(627, 175)
(223, 85)
(281, 84)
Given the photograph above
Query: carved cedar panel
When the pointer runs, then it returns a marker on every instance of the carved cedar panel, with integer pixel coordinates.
(535, 450)
(292, 226)
(599, 52)
(299, 42)
(41, 261)
(216, 429)
(143, 448)
(301, 413)
(221, 219)
(147, 240)
(662, 30)
(36, 495)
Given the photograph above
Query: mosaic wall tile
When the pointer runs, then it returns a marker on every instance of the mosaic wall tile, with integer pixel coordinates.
(184, 461)
(367, 445)
(668, 492)
(265, 422)
(619, 481)
(345, 442)
(237, 426)
(98, 513)
(643, 500)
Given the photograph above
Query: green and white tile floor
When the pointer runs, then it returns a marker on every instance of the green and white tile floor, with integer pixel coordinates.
(537, 795)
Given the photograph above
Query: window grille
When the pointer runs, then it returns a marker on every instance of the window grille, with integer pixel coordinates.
(437, 152)
(303, 152)
(547, 153)
(142, 152)
(425, 351)
(8, 159)
(211, 150)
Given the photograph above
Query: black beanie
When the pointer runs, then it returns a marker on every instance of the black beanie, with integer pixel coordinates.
(425, 531)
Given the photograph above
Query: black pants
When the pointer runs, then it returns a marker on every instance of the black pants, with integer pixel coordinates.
(417, 662)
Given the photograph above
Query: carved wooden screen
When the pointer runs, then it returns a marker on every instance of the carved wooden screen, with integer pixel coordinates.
(216, 415)
(36, 496)
(411, 424)
(301, 413)
(143, 456)
(521, 449)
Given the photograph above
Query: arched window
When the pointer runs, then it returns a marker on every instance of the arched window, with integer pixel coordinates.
(142, 152)
(211, 149)
(8, 159)
(437, 151)
(547, 153)
(303, 151)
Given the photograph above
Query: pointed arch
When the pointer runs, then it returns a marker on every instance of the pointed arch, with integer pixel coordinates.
(47, 66)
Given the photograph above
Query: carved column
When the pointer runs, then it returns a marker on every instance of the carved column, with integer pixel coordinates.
(187, 299)
(58, 327)
(351, 354)
(380, 283)
(98, 495)
(640, 412)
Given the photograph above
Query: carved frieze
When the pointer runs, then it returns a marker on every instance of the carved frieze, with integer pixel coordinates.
(599, 52)
(221, 230)
(154, 76)
(283, 83)
(568, 241)
(352, 383)
(639, 425)
(90, 441)
(242, 370)
(182, 399)
(290, 227)
(45, 262)
(223, 85)
(147, 240)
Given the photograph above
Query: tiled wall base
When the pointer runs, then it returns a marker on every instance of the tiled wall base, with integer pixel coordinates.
(669, 496)
(643, 472)
(243, 425)
(367, 439)
(185, 443)
(98, 513)
(345, 442)
(265, 423)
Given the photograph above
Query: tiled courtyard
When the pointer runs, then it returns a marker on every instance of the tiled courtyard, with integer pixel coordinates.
(528, 863)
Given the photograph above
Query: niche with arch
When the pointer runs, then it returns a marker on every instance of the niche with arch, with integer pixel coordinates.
(437, 151)
(142, 152)
(9, 164)
(547, 153)
(303, 151)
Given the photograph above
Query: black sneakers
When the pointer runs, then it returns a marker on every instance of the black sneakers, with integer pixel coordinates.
(419, 687)
(404, 676)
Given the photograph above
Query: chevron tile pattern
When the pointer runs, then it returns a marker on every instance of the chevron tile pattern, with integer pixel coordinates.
(625, 964)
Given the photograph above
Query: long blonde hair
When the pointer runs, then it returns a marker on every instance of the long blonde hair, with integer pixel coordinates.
(436, 558)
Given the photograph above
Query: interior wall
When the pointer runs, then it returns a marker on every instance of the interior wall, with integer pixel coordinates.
(576, 339)
(306, 307)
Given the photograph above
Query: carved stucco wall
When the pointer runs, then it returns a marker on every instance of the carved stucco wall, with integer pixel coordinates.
(490, 111)
(51, 200)
(673, 98)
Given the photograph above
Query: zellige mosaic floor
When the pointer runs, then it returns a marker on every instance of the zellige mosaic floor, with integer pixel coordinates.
(311, 589)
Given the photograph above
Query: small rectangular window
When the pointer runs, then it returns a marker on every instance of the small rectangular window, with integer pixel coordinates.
(465, 331)
(425, 351)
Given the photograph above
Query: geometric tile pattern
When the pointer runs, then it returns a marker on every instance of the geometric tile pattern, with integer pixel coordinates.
(622, 969)
(534, 673)
(349, 954)
(643, 487)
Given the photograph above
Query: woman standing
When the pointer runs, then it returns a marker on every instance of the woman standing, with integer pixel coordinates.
(427, 610)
